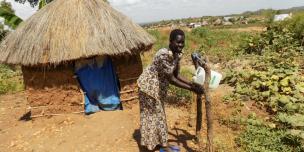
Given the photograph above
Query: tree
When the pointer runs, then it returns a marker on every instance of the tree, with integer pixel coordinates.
(8, 14)
(7, 6)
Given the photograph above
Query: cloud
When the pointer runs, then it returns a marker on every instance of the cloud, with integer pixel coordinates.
(124, 2)
(156, 10)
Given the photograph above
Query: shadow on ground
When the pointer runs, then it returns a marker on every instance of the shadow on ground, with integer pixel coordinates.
(180, 136)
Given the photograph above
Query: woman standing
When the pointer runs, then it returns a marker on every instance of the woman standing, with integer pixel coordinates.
(153, 85)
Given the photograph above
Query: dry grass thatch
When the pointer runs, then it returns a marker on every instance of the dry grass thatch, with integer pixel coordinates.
(71, 29)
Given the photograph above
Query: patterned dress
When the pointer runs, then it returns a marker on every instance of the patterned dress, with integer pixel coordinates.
(153, 85)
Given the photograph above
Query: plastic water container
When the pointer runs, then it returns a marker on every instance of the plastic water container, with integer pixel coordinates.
(200, 75)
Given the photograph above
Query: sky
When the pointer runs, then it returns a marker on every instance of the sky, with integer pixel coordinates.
(143, 11)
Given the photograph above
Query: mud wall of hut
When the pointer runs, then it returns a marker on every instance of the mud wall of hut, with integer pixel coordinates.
(54, 90)
(128, 69)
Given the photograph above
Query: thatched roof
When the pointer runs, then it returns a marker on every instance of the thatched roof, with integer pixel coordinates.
(70, 29)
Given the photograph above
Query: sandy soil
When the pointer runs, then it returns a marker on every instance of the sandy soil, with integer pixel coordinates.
(104, 131)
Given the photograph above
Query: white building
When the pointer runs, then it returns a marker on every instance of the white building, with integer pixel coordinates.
(194, 25)
(227, 18)
(282, 17)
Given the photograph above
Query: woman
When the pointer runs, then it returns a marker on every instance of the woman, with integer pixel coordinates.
(153, 85)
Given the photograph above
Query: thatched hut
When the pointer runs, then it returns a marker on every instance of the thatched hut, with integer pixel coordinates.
(49, 43)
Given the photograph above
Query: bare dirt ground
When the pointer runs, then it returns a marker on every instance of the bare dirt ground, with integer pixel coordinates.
(104, 131)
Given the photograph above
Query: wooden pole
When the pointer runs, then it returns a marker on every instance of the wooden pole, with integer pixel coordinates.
(199, 120)
(208, 109)
(192, 110)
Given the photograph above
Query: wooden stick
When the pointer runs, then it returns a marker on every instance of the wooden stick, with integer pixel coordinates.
(199, 118)
(192, 111)
(209, 122)
(45, 115)
(128, 91)
(129, 79)
(208, 109)
(131, 98)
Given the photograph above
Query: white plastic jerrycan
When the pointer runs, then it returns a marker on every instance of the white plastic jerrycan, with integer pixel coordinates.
(215, 78)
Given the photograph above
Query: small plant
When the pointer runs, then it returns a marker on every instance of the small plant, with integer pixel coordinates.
(272, 79)
(261, 138)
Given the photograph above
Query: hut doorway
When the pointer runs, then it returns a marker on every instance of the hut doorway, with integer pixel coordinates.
(99, 82)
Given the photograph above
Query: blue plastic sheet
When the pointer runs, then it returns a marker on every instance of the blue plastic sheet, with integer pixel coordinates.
(100, 86)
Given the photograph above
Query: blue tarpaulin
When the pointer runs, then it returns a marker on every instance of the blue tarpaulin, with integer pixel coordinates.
(100, 86)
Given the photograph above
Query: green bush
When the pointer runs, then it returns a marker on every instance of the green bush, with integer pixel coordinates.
(272, 79)
(10, 80)
(201, 32)
(263, 139)
(277, 38)
(296, 25)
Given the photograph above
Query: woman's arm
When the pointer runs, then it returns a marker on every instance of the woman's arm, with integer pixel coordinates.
(173, 80)
(179, 77)
(191, 87)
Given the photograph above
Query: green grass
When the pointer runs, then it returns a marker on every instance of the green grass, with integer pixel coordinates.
(259, 138)
(218, 45)
(182, 94)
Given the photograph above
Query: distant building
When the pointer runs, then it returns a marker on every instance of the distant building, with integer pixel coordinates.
(227, 18)
(174, 26)
(244, 21)
(282, 17)
(194, 25)
(205, 23)
(218, 22)
(227, 23)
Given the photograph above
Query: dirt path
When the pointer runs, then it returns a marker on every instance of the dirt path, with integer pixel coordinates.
(104, 131)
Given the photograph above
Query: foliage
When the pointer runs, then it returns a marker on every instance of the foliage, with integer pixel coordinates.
(8, 14)
(277, 38)
(179, 93)
(10, 79)
(42, 3)
(162, 39)
(260, 138)
(296, 25)
(201, 32)
(273, 79)
(2, 33)
(219, 44)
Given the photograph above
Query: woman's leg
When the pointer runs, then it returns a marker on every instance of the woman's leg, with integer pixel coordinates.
(153, 126)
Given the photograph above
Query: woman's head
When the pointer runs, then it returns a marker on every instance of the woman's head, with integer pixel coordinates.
(177, 40)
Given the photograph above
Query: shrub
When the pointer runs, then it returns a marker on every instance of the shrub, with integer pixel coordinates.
(10, 80)
(260, 138)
